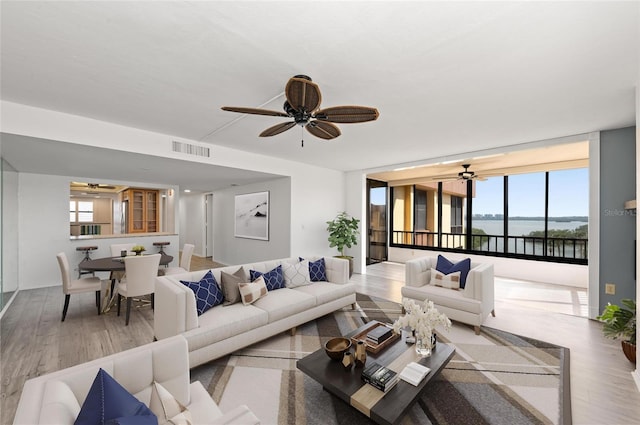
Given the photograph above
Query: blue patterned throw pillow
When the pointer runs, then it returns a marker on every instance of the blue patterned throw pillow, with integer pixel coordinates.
(208, 293)
(274, 279)
(108, 402)
(445, 266)
(318, 271)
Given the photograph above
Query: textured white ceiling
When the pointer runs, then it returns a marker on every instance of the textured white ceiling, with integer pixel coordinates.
(447, 77)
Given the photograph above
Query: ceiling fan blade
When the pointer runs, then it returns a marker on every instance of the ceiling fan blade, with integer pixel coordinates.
(277, 129)
(323, 130)
(303, 94)
(255, 111)
(347, 114)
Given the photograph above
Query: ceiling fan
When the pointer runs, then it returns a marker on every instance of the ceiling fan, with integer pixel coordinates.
(92, 185)
(466, 174)
(303, 105)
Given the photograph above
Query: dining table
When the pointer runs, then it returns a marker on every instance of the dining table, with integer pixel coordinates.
(113, 264)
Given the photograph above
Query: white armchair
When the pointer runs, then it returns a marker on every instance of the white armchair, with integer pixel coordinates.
(470, 305)
(56, 398)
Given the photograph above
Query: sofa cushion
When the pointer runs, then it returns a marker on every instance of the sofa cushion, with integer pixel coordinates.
(108, 401)
(167, 408)
(296, 274)
(450, 281)
(286, 303)
(222, 322)
(208, 293)
(250, 292)
(325, 292)
(443, 297)
(445, 266)
(318, 271)
(274, 278)
(230, 283)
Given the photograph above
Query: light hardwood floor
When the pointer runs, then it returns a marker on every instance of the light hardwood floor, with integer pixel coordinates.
(34, 341)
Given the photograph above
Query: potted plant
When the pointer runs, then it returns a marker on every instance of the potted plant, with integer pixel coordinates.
(138, 249)
(620, 323)
(343, 232)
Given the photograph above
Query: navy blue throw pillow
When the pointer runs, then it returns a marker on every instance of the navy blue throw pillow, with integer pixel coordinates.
(208, 293)
(318, 271)
(445, 266)
(108, 402)
(273, 279)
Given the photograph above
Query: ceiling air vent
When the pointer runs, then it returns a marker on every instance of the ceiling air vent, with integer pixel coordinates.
(190, 149)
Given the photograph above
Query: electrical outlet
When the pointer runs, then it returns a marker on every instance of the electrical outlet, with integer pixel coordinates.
(610, 288)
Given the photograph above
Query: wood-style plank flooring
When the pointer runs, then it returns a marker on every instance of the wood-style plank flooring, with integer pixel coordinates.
(34, 341)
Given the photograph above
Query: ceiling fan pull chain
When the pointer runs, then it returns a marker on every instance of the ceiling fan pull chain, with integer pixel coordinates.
(302, 137)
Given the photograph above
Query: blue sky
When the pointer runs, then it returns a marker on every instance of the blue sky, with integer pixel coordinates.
(568, 194)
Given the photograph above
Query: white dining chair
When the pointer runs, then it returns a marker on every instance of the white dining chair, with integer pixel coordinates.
(76, 286)
(139, 280)
(185, 261)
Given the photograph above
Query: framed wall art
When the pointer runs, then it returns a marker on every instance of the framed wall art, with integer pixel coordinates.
(252, 216)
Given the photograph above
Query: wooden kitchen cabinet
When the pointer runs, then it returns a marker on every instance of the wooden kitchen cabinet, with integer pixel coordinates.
(142, 210)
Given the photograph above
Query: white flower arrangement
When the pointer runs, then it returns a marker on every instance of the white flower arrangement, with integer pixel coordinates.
(422, 319)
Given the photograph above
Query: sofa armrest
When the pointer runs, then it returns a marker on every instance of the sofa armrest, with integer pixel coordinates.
(337, 269)
(169, 314)
(418, 271)
(239, 415)
(480, 283)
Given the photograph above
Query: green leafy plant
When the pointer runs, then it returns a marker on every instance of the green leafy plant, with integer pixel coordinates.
(620, 322)
(343, 232)
(138, 248)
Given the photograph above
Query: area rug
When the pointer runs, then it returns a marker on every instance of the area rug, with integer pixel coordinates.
(494, 378)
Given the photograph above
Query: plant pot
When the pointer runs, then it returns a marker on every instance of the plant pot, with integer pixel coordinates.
(629, 351)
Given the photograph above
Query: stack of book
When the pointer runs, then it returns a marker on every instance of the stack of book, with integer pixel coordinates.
(379, 334)
(379, 376)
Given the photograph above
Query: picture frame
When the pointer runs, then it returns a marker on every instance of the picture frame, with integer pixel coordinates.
(251, 212)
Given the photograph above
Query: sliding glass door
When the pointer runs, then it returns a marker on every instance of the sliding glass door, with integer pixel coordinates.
(376, 221)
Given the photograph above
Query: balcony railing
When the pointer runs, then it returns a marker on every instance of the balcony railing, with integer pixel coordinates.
(572, 250)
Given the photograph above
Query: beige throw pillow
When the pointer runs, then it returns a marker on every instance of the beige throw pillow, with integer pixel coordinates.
(250, 292)
(451, 280)
(167, 408)
(230, 285)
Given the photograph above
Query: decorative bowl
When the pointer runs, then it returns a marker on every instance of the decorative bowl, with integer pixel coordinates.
(336, 347)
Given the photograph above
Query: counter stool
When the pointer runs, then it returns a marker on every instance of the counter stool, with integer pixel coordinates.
(87, 256)
(161, 245)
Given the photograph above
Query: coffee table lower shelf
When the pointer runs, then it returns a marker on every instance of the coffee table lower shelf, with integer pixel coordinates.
(383, 408)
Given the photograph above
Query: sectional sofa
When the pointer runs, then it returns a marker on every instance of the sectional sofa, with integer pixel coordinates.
(224, 329)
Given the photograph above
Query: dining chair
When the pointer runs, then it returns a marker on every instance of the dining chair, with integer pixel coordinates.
(185, 261)
(76, 286)
(116, 250)
(140, 275)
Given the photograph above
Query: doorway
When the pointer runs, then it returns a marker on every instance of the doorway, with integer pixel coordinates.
(376, 221)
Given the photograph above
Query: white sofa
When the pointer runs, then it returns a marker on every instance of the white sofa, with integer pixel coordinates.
(56, 398)
(470, 305)
(224, 329)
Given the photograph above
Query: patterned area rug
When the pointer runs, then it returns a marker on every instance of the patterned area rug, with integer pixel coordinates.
(494, 378)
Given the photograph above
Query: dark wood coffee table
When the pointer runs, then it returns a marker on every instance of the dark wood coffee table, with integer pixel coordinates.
(382, 408)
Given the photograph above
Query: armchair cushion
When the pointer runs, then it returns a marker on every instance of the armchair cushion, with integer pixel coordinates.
(109, 402)
(447, 267)
(450, 281)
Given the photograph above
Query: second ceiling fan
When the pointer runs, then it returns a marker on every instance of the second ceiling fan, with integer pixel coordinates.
(303, 105)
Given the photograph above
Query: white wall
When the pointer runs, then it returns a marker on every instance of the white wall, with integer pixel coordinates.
(192, 222)
(316, 194)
